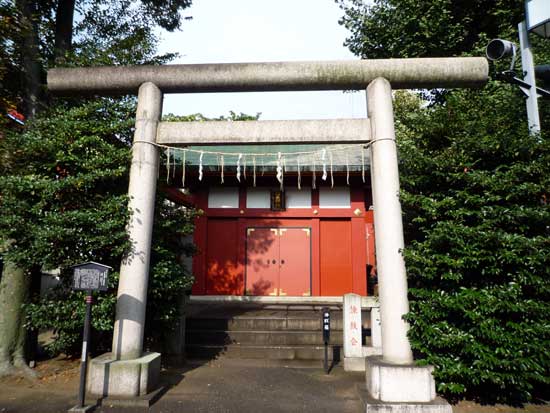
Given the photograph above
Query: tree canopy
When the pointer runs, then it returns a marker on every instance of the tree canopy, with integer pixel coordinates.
(475, 202)
(42, 34)
(411, 28)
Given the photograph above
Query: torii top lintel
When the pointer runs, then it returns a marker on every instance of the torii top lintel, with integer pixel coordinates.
(415, 73)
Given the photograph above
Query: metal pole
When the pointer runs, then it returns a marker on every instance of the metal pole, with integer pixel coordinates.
(326, 357)
(85, 341)
(528, 67)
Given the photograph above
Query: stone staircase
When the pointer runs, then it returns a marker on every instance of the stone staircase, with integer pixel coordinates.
(269, 332)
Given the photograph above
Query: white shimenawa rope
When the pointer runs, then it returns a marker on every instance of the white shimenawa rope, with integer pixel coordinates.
(281, 160)
(244, 167)
(341, 148)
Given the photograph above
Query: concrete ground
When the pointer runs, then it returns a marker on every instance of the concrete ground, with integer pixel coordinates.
(223, 385)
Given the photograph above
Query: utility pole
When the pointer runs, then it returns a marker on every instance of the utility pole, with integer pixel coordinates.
(528, 67)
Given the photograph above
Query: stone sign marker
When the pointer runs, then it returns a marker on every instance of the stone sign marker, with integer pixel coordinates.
(353, 346)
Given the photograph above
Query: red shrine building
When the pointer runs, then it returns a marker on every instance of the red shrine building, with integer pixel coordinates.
(313, 239)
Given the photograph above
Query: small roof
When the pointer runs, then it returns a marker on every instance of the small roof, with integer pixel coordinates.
(92, 264)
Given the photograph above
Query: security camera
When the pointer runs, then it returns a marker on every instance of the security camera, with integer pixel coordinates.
(498, 49)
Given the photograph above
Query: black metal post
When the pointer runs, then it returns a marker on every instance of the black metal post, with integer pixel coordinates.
(85, 343)
(326, 357)
(326, 335)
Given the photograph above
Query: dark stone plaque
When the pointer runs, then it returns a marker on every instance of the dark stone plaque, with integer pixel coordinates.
(90, 276)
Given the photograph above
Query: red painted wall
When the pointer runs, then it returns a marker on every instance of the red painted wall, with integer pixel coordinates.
(336, 254)
(224, 269)
(341, 245)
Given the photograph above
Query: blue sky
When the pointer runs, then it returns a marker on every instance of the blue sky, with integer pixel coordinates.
(226, 31)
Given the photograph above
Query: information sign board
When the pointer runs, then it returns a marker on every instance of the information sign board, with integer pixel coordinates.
(91, 276)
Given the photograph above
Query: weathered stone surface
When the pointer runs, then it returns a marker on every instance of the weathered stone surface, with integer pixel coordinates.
(264, 132)
(134, 269)
(371, 405)
(399, 383)
(388, 225)
(353, 346)
(274, 76)
(124, 378)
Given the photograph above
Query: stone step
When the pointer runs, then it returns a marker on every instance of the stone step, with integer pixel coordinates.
(262, 324)
(264, 352)
(285, 337)
(277, 320)
(222, 361)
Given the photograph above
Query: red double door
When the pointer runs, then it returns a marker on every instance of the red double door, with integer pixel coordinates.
(278, 261)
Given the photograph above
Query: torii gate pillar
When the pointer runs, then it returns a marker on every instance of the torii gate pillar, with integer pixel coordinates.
(127, 371)
(394, 382)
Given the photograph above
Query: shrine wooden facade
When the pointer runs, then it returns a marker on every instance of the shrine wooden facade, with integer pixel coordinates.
(320, 243)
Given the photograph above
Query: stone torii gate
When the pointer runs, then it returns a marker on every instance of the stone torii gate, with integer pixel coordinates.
(393, 378)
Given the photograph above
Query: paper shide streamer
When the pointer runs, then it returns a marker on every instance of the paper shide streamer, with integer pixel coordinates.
(183, 173)
(239, 167)
(324, 160)
(167, 165)
(221, 166)
(254, 171)
(200, 166)
(299, 173)
(280, 170)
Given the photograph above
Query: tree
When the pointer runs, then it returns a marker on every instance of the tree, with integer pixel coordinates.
(67, 206)
(410, 28)
(475, 202)
(474, 195)
(45, 34)
(40, 35)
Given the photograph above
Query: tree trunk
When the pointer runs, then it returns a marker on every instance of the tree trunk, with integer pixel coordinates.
(63, 29)
(30, 58)
(14, 286)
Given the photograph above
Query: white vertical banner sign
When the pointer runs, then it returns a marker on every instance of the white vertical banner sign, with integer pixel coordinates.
(352, 326)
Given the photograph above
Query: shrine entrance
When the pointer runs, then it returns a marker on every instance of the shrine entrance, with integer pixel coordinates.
(278, 261)
(393, 378)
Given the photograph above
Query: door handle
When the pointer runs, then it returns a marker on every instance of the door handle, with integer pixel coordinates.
(274, 261)
(282, 261)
